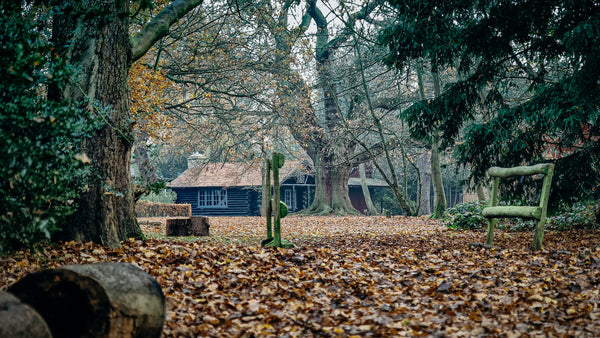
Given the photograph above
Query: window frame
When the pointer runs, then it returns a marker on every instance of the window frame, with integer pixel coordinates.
(212, 199)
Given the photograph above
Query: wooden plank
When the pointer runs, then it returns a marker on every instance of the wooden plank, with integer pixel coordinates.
(519, 171)
(512, 211)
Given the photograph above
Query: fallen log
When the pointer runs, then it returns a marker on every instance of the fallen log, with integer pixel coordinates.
(95, 300)
(19, 320)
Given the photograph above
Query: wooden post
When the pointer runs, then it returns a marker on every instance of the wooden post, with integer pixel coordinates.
(279, 208)
(492, 221)
(277, 163)
(269, 202)
(539, 227)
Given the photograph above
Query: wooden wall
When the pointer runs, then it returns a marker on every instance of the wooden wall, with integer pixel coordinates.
(240, 202)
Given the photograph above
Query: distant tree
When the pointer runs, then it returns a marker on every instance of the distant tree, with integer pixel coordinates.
(259, 74)
(536, 64)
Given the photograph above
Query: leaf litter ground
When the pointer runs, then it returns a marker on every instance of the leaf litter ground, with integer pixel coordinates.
(356, 276)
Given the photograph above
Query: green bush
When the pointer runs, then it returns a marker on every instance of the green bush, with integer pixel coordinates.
(466, 216)
(39, 139)
(580, 215)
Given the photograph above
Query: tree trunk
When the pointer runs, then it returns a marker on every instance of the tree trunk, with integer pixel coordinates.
(331, 189)
(439, 196)
(95, 300)
(93, 36)
(371, 210)
(480, 193)
(19, 320)
(424, 164)
(98, 35)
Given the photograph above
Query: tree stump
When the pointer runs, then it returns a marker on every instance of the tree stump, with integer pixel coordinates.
(189, 226)
(19, 320)
(95, 300)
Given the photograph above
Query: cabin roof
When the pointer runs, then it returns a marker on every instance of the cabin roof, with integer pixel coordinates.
(232, 175)
(241, 175)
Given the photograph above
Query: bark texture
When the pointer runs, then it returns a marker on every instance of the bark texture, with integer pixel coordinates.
(331, 189)
(19, 320)
(95, 300)
(98, 36)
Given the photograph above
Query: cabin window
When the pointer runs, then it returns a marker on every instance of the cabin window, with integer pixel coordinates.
(214, 198)
(287, 198)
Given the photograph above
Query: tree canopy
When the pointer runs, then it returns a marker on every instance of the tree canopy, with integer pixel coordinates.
(528, 87)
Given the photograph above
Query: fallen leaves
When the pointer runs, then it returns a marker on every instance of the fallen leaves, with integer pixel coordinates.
(357, 276)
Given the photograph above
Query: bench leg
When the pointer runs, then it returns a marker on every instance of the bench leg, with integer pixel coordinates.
(490, 233)
(539, 234)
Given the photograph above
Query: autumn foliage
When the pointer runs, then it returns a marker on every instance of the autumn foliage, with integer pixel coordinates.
(148, 97)
(357, 276)
(149, 209)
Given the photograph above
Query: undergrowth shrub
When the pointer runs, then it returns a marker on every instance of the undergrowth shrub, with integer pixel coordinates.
(466, 216)
(580, 215)
(39, 138)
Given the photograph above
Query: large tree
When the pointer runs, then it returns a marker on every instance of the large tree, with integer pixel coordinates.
(94, 37)
(536, 64)
(257, 75)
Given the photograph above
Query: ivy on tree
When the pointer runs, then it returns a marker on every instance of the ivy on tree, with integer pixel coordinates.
(42, 169)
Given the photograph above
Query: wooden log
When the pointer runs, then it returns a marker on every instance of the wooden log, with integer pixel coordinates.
(512, 211)
(96, 300)
(188, 226)
(519, 171)
(19, 320)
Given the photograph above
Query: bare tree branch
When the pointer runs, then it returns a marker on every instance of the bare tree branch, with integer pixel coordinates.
(159, 26)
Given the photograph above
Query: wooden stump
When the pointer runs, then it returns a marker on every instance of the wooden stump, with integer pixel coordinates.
(19, 320)
(95, 300)
(200, 226)
(189, 226)
(178, 226)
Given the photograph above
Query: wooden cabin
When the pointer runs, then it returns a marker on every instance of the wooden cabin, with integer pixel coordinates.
(234, 189)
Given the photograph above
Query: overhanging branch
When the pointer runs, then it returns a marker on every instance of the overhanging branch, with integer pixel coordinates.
(159, 26)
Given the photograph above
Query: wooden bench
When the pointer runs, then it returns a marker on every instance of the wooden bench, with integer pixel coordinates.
(535, 212)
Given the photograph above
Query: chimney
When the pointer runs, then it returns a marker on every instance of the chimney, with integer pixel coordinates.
(197, 159)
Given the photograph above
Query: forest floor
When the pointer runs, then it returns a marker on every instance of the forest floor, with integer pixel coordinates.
(356, 276)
